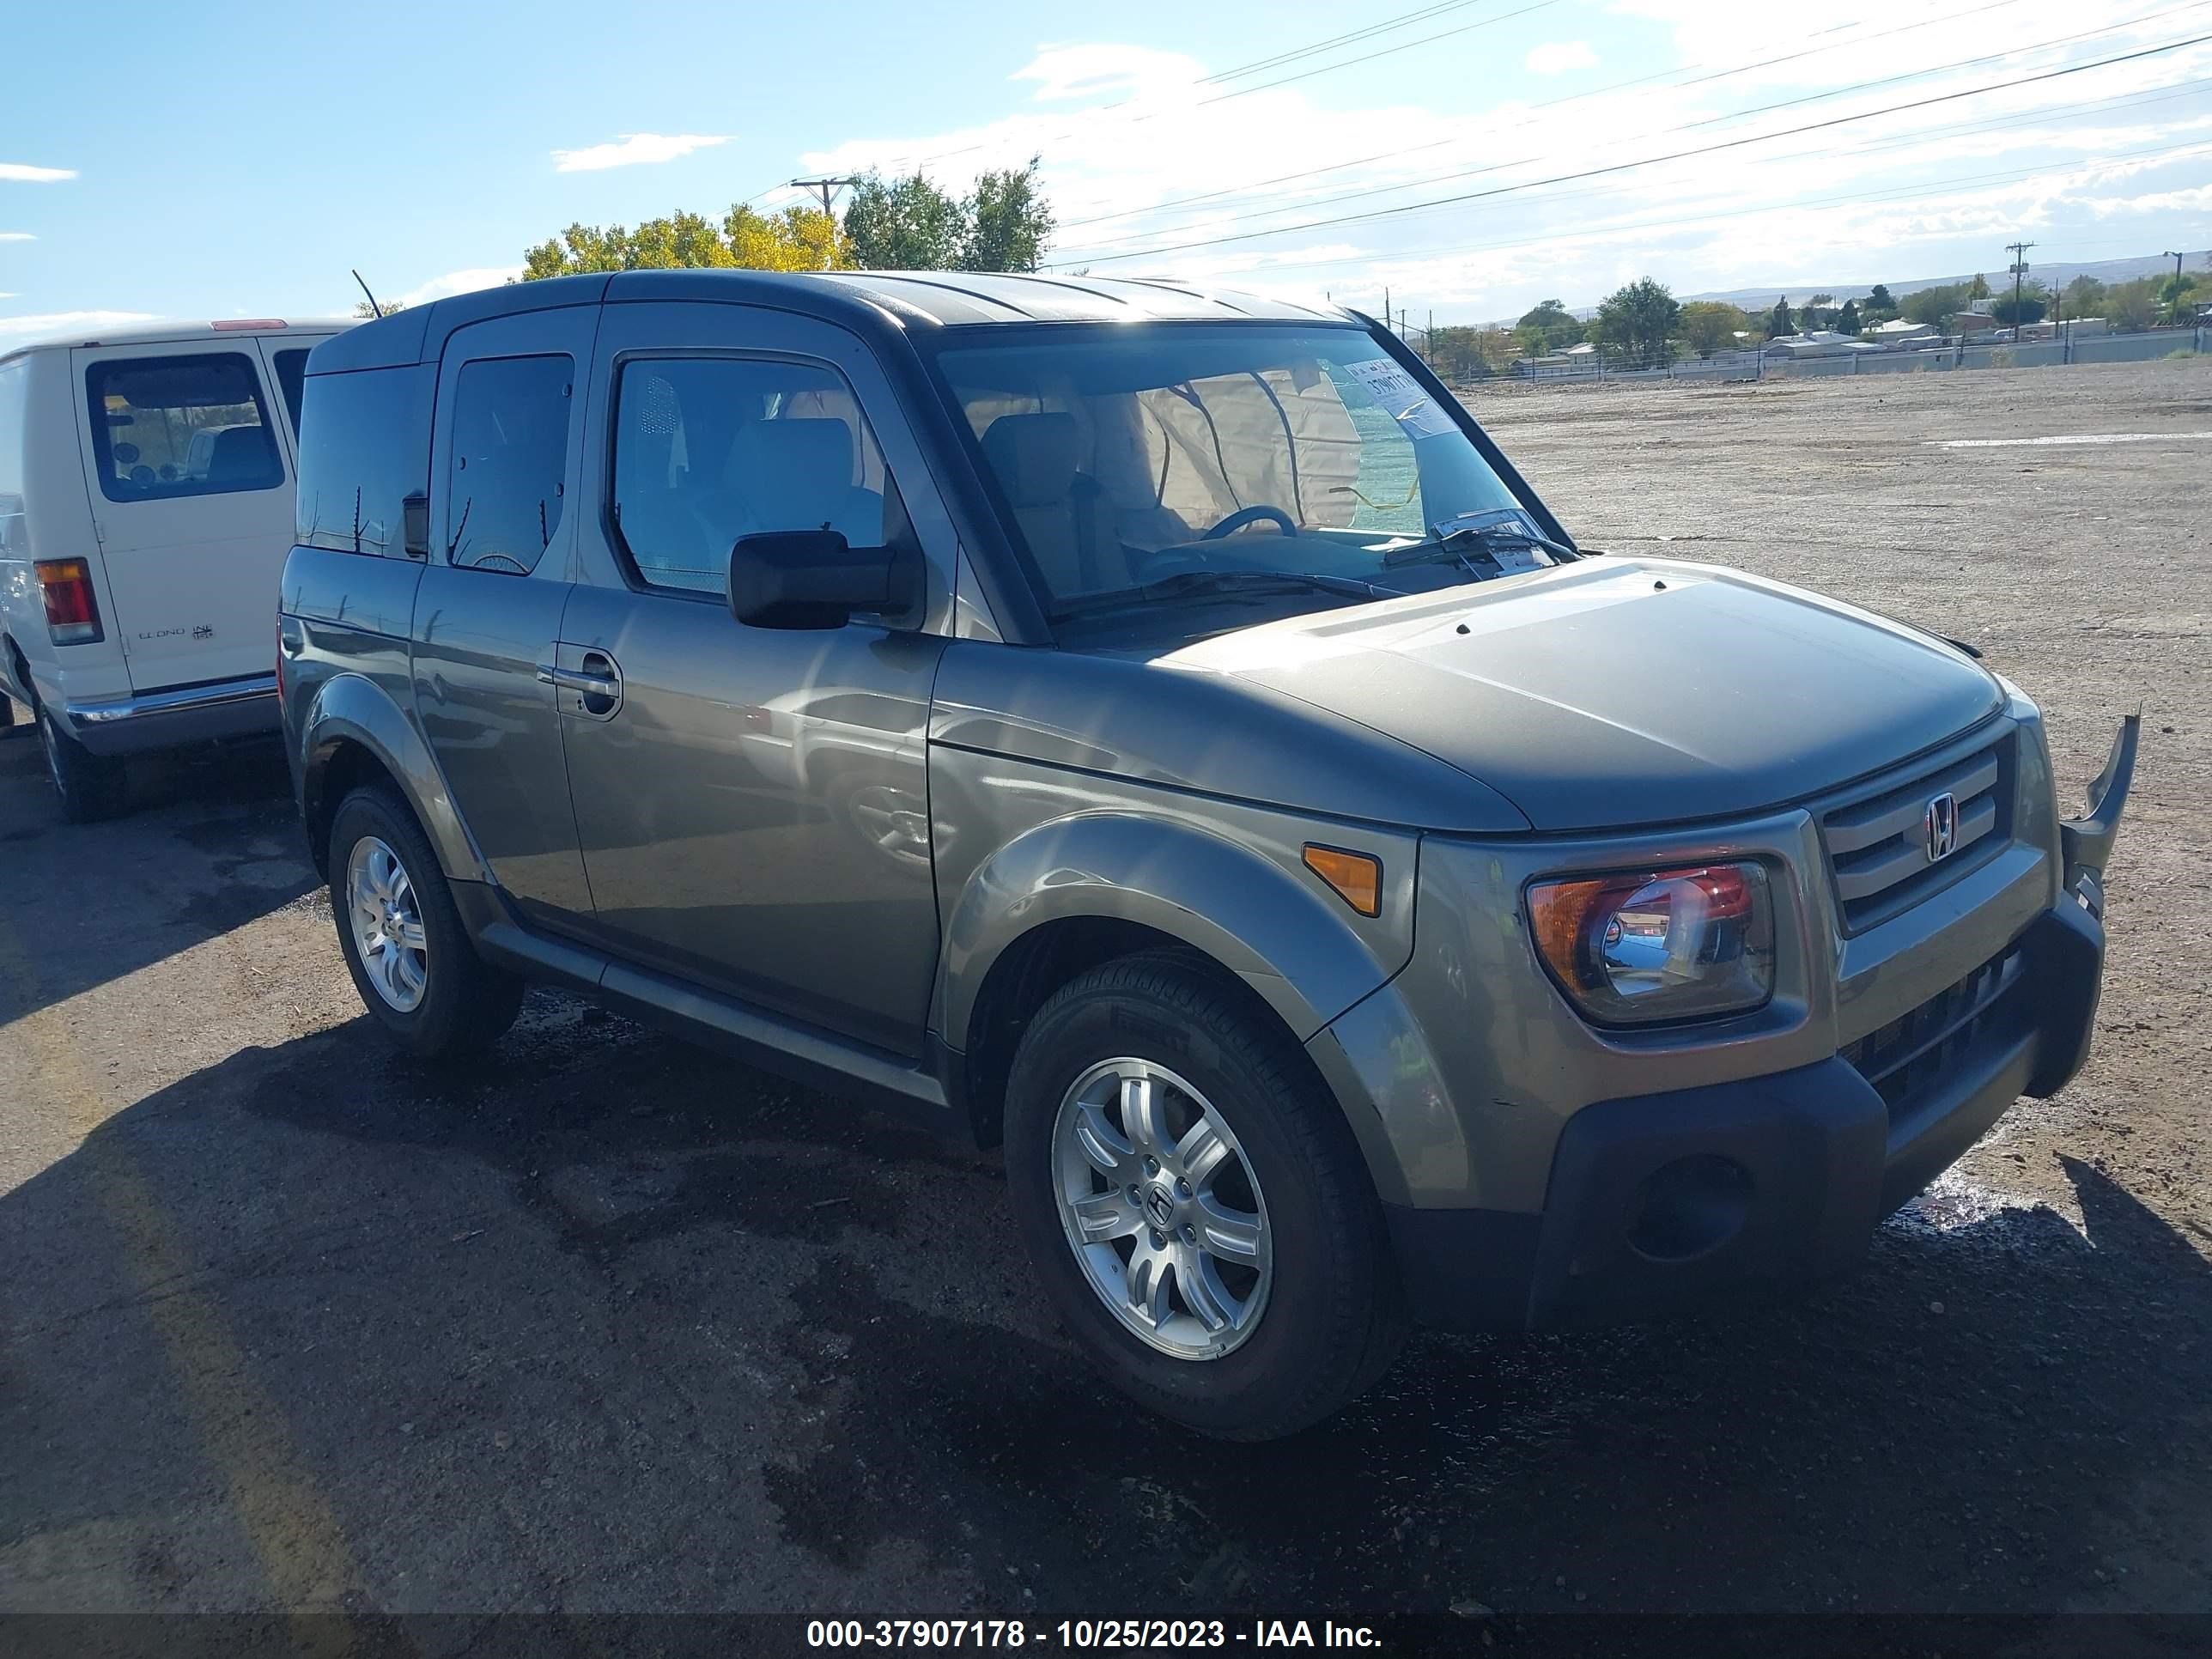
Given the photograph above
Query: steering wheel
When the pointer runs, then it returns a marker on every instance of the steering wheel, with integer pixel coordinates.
(1245, 515)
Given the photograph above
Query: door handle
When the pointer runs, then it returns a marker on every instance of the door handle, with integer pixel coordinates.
(578, 680)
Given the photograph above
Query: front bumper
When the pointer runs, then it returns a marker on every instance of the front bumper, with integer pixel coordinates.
(169, 720)
(1658, 1199)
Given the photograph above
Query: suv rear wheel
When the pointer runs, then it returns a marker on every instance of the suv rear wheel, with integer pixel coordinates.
(92, 786)
(409, 955)
(1195, 1205)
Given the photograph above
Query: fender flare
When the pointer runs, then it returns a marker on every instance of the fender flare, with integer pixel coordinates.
(1284, 938)
(351, 708)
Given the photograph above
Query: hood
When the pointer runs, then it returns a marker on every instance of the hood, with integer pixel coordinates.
(1611, 693)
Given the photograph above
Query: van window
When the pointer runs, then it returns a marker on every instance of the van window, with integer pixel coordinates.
(167, 427)
(291, 373)
(710, 449)
(15, 412)
(364, 448)
(509, 456)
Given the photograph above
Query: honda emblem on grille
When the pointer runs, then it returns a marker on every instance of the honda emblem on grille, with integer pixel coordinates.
(1940, 826)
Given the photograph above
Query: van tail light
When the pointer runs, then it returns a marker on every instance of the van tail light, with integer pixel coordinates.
(72, 615)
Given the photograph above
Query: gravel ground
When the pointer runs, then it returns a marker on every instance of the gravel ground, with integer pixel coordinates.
(612, 1324)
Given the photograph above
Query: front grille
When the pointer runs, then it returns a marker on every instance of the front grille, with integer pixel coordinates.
(1909, 1054)
(1877, 843)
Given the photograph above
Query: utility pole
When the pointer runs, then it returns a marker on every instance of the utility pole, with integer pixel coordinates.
(2018, 281)
(827, 188)
(2177, 260)
(1387, 312)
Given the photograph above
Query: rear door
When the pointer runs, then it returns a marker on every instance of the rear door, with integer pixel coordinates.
(188, 467)
(506, 454)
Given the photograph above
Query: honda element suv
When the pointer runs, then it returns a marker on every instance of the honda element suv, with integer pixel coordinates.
(1159, 730)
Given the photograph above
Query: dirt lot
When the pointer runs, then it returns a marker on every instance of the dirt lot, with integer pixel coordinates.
(612, 1324)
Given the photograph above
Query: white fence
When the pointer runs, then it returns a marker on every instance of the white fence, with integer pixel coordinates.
(1949, 355)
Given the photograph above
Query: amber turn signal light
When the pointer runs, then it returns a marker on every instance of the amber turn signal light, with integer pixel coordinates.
(1357, 877)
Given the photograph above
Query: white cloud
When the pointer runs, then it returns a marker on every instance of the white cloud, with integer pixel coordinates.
(17, 236)
(459, 281)
(634, 149)
(1558, 57)
(22, 172)
(1142, 152)
(72, 322)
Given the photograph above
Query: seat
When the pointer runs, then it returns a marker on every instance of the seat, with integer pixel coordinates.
(243, 457)
(1063, 511)
(798, 474)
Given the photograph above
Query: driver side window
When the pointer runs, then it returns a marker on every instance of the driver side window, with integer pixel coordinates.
(710, 449)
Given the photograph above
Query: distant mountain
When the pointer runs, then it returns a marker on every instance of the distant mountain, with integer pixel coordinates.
(2057, 274)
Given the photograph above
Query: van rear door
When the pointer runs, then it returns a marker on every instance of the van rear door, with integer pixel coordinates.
(188, 464)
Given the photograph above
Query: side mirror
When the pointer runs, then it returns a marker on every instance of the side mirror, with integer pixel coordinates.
(812, 578)
(415, 525)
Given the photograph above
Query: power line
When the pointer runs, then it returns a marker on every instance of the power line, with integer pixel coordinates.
(1552, 239)
(2190, 89)
(1554, 103)
(1349, 38)
(1654, 160)
(1526, 160)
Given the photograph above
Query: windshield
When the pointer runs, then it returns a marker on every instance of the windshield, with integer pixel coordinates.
(1127, 457)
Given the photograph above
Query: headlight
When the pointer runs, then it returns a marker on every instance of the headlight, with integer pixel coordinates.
(1648, 945)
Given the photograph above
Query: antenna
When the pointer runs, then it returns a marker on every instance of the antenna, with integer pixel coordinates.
(374, 309)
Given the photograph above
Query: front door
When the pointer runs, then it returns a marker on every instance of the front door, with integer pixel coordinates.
(188, 464)
(753, 803)
(504, 470)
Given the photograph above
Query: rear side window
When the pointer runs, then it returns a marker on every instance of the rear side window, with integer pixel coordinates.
(168, 427)
(707, 450)
(510, 456)
(364, 448)
(291, 375)
(15, 398)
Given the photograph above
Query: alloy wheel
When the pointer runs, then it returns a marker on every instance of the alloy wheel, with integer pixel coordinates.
(387, 924)
(1161, 1209)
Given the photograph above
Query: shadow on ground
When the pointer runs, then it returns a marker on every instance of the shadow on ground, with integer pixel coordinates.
(212, 839)
(614, 1323)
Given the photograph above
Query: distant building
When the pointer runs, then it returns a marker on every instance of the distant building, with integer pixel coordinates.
(1900, 331)
(1971, 323)
(1820, 343)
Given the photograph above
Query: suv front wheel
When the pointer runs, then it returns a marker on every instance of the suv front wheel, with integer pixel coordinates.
(409, 955)
(1195, 1203)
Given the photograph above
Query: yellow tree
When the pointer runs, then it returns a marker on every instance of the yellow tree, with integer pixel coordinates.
(797, 238)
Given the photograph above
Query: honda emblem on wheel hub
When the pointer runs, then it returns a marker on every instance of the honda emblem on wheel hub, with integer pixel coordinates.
(1159, 1206)
(1940, 826)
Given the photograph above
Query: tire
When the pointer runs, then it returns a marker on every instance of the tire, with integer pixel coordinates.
(1329, 1315)
(91, 787)
(414, 966)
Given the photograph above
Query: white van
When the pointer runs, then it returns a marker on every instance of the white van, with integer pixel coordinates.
(145, 512)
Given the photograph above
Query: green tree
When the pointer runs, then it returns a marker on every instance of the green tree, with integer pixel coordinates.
(1460, 353)
(383, 309)
(1548, 327)
(1881, 299)
(1934, 306)
(2084, 295)
(1710, 325)
(905, 224)
(1778, 321)
(2132, 307)
(797, 238)
(1978, 288)
(1009, 222)
(1637, 321)
(2030, 309)
(1847, 319)
(2178, 300)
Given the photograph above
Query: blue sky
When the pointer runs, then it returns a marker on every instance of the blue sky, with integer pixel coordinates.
(237, 159)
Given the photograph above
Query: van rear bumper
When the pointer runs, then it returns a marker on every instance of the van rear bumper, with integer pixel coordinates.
(168, 719)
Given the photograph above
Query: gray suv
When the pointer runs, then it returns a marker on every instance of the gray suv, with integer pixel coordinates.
(1159, 731)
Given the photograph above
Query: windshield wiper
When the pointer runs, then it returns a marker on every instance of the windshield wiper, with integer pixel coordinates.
(1458, 544)
(1204, 583)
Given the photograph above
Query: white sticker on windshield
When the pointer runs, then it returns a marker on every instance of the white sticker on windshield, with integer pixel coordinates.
(1393, 388)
